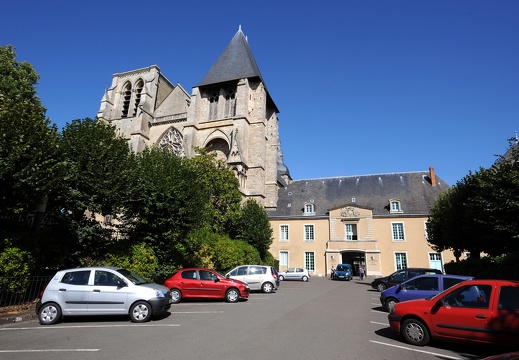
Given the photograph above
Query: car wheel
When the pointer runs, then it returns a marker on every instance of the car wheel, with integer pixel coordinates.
(49, 314)
(140, 312)
(390, 303)
(176, 295)
(381, 287)
(305, 278)
(267, 287)
(232, 295)
(415, 332)
(281, 277)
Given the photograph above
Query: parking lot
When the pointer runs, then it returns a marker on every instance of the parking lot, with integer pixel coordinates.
(319, 319)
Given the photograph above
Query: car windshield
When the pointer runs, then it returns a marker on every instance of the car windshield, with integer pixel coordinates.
(134, 278)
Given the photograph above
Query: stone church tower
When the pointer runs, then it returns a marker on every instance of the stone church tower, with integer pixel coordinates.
(229, 112)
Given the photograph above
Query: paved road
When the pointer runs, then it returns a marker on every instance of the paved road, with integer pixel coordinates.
(321, 319)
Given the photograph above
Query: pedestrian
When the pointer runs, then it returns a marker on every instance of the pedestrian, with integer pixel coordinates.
(361, 273)
(332, 273)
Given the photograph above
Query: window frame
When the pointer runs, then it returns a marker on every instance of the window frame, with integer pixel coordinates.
(393, 228)
(307, 238)
(309, 260)
(398, 256)
(282, 238)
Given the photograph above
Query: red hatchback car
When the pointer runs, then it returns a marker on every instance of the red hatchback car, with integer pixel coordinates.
(205, 283)
(484, 311)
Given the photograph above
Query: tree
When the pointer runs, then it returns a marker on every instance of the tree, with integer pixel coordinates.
(30, 164)
(479, 213)
(253, 226)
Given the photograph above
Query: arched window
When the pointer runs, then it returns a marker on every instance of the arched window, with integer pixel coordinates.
(230, 103)
(138, 90)
(173, 142)
(213, 105)
(126, 96)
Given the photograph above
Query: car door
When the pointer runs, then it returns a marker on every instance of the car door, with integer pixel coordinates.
(256, 276)
(189, 283)
(396, 278)
(242, 273)
(210, 287)
(107, 296)
(506, 322)
(73, 292)
(465, 313)
(290, 274)
(419, 288)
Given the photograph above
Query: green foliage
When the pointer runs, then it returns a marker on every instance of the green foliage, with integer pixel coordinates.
(30, 163)
(139, 259)
(15, 263)
(479, 214)
(504, 267)
(253, 226)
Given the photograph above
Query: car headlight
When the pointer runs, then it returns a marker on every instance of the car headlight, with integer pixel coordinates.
(159, 293)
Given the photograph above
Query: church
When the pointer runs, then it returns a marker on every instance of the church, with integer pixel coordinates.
(374, 221)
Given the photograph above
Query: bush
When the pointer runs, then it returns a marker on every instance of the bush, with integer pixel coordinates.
(504, 267)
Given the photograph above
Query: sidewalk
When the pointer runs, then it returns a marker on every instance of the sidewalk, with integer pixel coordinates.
(18, 317)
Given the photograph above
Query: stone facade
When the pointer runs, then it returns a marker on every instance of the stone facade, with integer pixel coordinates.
(230, 112)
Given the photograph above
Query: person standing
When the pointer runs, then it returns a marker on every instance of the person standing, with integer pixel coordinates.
(361, 273)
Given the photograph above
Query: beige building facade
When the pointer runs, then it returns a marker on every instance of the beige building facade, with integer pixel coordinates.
(374, 221)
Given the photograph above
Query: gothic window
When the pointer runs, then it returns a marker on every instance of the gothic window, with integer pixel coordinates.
(230, 103)
(138, 91)
(173, 142)
(126, 96)
(213, 105)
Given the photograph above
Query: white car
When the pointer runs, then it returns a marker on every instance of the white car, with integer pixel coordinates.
(101, 291)
(294, 273)
(259, 277)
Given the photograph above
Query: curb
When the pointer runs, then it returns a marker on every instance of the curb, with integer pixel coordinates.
(18, 318)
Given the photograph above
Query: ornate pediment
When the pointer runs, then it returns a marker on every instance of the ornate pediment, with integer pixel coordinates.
(350, 212)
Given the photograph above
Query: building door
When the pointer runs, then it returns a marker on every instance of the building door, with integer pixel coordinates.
(435, 261)
(355, 259)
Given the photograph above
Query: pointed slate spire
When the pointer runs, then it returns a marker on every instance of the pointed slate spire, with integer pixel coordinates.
(235, 62)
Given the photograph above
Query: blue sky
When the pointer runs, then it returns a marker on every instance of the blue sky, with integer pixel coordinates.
(363, 87)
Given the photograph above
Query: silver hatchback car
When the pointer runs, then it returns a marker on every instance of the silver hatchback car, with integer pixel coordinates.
(259, 277)
(101, 291)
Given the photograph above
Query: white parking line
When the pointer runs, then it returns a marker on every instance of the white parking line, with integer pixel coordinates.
(378, 311)
(86, 326)
(196, 312)
(48, 350)
(379, 323)
(416, 350)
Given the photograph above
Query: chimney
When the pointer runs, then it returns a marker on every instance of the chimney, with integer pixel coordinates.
(432, 176)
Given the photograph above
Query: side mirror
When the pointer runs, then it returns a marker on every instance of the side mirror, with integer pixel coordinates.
(121, 283)
(216, 279)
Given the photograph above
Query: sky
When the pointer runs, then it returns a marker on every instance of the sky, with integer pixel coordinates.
(362, 87)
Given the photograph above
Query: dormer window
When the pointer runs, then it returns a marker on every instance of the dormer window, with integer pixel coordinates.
(394, 206)
(309, 209)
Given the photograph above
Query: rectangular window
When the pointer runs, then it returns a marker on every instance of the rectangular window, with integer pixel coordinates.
(283, 233)
(309, 261)
(351, 231)
(283, 258)
(398, 231)
(400, 261)
(395, 206)
(309, 233)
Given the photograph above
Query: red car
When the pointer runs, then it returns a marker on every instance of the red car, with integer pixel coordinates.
(205, 283)
(484, 311)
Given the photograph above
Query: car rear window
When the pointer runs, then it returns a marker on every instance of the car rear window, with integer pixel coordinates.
(509, 298)
(76, 277)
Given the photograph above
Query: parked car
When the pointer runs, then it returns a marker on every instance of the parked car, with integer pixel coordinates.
(101, 291)
(343, 272)
(400, 276)
(484, 311)
(508, 356)
(205, 283)
(259, 277)
(420, 287)
(294, 273)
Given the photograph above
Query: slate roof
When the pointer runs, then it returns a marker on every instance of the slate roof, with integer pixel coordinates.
(234, 63)
(413, 189)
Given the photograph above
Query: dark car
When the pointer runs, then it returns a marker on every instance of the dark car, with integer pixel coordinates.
(205, 283)
(419, 287)
(400, 276)
(343, 272)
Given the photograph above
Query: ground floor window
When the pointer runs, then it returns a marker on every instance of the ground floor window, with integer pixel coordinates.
(401, 261)
(310, 260)
(283, 258)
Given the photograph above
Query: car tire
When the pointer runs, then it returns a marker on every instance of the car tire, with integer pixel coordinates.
(49, 314)
(305, 278)
(140, 312)
(232, 295)
(381, 286)
(176, 296)
(390, 302)
(415, 332)
(267, 287)
(281, 277)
